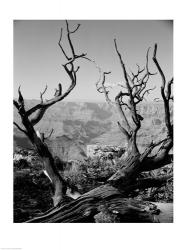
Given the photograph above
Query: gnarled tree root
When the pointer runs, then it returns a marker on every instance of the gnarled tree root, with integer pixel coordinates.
(103, 204)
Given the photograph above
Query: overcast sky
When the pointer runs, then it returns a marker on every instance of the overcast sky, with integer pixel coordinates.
(38, 59)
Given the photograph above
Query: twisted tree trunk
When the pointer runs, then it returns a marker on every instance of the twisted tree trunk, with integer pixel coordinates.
(108, 200)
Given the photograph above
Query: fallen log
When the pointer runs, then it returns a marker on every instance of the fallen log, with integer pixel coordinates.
(103, 204)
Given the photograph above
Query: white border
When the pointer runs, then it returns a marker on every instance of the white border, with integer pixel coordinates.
(92, 236)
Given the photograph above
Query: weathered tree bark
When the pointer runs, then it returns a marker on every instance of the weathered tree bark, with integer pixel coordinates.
(111, 195)
(85, 209)
(90, 204)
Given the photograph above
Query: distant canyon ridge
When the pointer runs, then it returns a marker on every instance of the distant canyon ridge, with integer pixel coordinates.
(78, 124)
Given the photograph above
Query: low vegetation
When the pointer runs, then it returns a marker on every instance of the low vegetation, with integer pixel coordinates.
(33, 190)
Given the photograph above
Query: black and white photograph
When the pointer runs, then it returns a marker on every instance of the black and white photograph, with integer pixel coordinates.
(93, 121)
(93, 142)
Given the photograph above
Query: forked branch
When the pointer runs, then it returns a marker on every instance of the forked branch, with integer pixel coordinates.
(136, 90)
(133, 92)
(166, 94)
(33, 115)
(40, 109)
(22, 130)
(100, 85)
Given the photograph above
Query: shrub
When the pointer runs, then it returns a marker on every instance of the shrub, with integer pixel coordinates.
(89, 174)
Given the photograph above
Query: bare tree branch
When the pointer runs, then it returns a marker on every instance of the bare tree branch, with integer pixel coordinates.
(124, 131)
(62, 49)
(101, 81)
(16, 104)
(158, 67)
(47, 137)
(135, 76)
(78, 25)
(165, 97)
(20, 98)
(22, 130)
(140, 98)
(122, 114)
(42, 93)
(37, 112)
(168, 96)
(124, 69)
(129, 89)
(69, 39)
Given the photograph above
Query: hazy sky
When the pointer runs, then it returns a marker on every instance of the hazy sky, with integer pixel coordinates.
(38, 59)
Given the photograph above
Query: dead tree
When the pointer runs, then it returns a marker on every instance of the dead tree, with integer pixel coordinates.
(110, 198)
(31, 117)
(126, 101)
